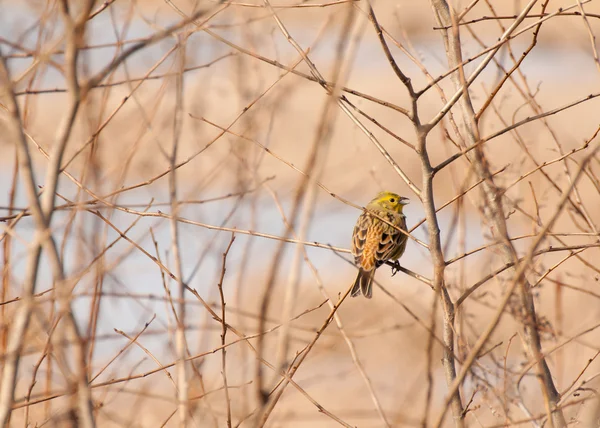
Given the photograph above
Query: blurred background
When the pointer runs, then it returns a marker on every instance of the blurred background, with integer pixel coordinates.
(246, 132)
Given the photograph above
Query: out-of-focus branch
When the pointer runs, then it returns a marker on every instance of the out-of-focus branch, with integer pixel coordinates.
(75, 36)
(180, 339)
(22, 316)
(43, 210)
(306, 194)
(322, 142)
(158, 36)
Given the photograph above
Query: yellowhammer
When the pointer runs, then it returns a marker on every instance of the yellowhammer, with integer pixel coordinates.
(374, 241)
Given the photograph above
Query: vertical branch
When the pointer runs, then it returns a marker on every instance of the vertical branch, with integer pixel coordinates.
(429, 365)
(75, 28)
(224, 332)
(493, 208)
(180, 341)
(6, 257)
(439, 266)
(435, 244)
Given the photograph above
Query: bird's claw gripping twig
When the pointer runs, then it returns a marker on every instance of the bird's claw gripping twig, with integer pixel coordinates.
(395, 267)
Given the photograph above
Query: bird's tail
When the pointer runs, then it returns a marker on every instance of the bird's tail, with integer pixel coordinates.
(363, 283)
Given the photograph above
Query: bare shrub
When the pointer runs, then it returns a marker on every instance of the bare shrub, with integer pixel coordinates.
(180, 180)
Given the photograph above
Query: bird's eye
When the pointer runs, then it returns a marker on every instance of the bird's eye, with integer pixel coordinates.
(392, 200)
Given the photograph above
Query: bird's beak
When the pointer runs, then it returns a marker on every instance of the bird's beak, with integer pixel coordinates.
(404, 201)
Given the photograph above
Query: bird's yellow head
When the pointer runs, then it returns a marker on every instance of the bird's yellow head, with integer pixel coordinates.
(390, 201)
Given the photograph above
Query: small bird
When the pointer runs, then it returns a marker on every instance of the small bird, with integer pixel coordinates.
(374, 241)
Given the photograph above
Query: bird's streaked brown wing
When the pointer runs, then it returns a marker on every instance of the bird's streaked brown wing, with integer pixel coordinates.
(389, 239)
(359, 236)
(388, 243)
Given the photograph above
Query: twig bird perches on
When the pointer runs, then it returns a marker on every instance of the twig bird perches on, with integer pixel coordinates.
(374, 241)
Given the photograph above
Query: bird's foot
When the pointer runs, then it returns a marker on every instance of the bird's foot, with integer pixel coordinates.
(395, 268)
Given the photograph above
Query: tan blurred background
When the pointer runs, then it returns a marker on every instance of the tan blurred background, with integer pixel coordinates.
(248, 184)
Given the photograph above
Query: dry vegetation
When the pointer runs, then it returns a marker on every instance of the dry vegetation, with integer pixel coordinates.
(179, 180)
